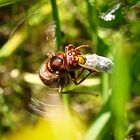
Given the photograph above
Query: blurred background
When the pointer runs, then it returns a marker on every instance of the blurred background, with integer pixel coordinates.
(104, 106)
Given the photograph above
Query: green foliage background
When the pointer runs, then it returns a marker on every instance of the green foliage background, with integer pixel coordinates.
(115, 113)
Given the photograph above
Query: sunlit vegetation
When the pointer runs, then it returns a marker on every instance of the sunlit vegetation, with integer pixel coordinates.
(103, 107)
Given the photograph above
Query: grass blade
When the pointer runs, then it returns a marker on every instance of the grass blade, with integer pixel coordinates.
(120, 89)
(98, 126)
(57, 22)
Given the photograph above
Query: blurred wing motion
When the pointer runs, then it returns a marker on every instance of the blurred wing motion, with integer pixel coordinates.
(50, 34)
(47, 104)
(98, 63)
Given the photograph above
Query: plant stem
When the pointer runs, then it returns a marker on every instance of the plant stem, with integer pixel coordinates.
(57, 22)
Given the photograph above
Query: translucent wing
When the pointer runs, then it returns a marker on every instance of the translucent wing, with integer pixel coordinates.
(48, 106)
(48, 103)
(50, 35)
